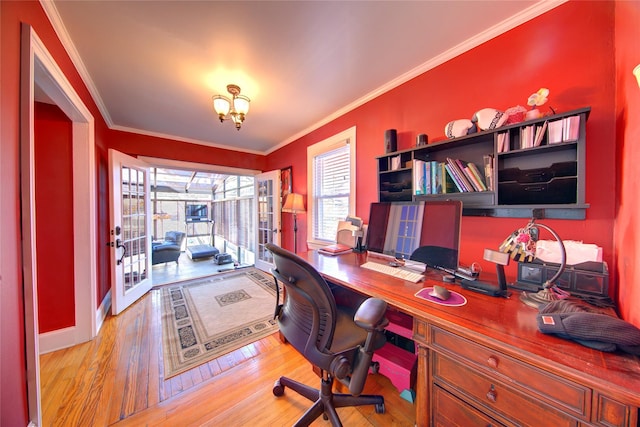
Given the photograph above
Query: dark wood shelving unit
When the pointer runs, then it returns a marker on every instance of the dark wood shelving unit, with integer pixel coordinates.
(544, 181)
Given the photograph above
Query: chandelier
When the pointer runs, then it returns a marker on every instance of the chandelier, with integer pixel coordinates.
(235, 108)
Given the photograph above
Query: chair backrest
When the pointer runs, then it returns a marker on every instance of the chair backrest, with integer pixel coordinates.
(308, 316)
(174, 236)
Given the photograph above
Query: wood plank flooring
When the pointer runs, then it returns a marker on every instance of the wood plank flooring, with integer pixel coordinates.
(118, 380)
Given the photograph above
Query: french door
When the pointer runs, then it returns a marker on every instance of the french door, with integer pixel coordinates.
(267, 219)
(130, 230)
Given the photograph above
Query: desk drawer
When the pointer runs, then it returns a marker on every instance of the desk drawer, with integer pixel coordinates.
(449, 411)
(554, 390)
(473, 386)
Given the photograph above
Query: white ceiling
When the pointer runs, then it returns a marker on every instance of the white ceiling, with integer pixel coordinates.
(152, 66)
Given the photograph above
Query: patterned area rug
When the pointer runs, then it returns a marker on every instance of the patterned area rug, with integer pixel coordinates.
(205, 318)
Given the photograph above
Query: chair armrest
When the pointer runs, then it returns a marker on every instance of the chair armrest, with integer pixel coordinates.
(370, 315)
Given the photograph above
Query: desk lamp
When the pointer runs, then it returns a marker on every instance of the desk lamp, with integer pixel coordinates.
(293, 203)
(521, 245)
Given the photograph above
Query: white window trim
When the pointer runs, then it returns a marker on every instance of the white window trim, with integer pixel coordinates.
(347, 136)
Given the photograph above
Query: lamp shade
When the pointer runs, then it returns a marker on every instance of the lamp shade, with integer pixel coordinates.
(293, 203)
(222, 105)
(241, 104)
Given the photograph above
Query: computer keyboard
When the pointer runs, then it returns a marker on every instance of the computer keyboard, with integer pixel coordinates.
(398, 272)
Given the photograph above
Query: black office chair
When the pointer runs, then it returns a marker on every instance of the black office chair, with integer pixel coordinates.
(338, 340)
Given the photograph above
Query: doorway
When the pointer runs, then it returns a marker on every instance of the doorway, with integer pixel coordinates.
(41, 77)
(212, 206)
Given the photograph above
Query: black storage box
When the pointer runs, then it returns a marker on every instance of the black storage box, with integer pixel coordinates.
(587, 278)
(556, 191)
(556, 170)
(223, 258)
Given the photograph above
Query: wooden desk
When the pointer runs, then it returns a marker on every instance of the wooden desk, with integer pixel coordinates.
(486, 363)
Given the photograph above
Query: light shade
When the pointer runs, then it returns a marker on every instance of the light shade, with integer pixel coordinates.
(293, 203)
(241, 104)
(636, 72)
(222, 105)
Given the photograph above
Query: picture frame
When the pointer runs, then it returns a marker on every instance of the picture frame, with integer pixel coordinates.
(286, 182)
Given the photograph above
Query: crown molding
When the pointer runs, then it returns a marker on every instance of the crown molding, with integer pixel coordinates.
(183, 139)
(498, 29)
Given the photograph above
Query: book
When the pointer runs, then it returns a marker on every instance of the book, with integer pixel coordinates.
(453, 178)
(477, 175)
(554, 132)
(427, 177)
(503, 142)
(526, 137)
(570, 128)
(448, 185)
(437, 182)
(337, 249)
(460, 174)
(540, 130)
(488, 170)
(434, 167)
(418, 177)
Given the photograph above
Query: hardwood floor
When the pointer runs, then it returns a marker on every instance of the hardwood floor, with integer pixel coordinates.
(118, 379)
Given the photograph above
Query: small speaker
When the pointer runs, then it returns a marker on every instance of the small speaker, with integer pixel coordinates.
(422, 139)
(391, 140)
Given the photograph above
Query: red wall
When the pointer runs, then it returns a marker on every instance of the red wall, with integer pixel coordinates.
(54, 218)
(627, 236)
(556, 51)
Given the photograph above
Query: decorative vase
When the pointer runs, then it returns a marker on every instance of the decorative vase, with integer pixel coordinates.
(533, 114)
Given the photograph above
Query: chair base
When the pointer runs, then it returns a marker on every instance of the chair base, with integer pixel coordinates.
(325, 401)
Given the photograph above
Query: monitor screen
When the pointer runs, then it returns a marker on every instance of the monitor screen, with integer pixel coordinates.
(377, 229)
(440, 234)
(394, 228)
(196, 213)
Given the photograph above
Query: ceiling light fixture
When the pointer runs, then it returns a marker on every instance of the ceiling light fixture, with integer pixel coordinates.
(235, 108)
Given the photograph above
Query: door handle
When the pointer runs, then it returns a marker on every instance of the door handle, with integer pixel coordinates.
(124, 250)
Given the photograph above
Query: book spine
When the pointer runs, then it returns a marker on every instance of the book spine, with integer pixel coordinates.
(418, 177)
(434, 189)
(427, 177)
(477, 175)
(453, 178)
(488, 171)
(554, 133)
(460, 174)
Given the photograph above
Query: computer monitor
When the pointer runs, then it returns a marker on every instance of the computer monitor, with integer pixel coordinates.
(394, 228)
(377, 228)
(440, 234)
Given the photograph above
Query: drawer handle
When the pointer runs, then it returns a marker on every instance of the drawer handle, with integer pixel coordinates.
(492, 361)
(492, 395)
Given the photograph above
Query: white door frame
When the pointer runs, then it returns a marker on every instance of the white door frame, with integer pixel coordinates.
(273, 176)
(39, 67)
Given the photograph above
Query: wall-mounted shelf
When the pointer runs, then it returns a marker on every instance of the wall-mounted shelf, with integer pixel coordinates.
(534, 168)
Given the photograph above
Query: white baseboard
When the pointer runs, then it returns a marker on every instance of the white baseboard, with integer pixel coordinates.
(67, 337)
(102, 311)
(55, 340)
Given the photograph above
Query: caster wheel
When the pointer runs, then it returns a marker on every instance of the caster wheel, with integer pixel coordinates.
(278, 389)
(325, 417)
(375, 367)
(380, 408)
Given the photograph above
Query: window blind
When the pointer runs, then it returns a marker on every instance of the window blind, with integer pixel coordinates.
(331, 198)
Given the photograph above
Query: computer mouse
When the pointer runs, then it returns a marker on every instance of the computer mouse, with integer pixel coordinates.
(440, 292)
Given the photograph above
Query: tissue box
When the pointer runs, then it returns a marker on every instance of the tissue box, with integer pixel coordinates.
(588, 278)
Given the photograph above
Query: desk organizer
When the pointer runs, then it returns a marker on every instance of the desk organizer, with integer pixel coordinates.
(587, 278)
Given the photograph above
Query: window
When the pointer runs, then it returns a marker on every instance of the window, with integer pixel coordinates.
(331, 185)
